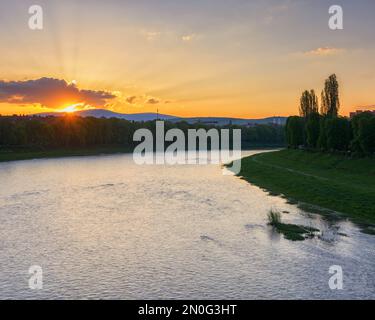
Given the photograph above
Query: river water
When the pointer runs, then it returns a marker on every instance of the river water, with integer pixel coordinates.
(103, 227)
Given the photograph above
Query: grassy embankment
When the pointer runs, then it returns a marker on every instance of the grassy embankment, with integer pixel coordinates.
(329, 181)
(12, 155)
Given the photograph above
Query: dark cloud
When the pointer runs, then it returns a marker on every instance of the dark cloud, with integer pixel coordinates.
(51, 93)
(152, 101)
(131, 99)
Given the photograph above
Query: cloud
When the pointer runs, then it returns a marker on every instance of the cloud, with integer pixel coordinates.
(51, 93)
(143, 100)
(152, 101)
(323, 51)
(131, 100)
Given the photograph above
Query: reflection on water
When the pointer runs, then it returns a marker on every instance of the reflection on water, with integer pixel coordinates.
(103, 227)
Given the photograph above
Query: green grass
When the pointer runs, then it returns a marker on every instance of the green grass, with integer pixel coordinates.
(290, 231)
(331, 182)
(12, 155)
(274, 218)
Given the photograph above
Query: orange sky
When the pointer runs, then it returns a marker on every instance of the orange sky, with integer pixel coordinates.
(213, 58)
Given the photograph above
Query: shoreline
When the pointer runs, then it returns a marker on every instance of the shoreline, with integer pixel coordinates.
(11, 156)
(319, 183)
(19, 155)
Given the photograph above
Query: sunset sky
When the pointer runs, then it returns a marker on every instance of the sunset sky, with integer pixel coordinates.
(237, 58)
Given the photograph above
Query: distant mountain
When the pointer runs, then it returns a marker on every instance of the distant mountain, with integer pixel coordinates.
(101, 113)
(140, 117)
(235, 121)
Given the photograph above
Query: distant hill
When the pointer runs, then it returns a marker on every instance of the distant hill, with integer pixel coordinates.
(236, 121)
(101, 113)
(140, 117)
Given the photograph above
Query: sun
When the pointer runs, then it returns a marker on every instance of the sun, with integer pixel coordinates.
(71, 108)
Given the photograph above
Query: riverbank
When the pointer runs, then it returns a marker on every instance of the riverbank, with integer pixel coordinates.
(27, 154)
(13, 155)
(329, 181)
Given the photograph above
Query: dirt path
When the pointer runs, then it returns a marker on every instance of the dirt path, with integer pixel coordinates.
(290, 170)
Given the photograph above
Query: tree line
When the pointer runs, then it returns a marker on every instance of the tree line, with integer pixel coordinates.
(66, 132)
(325, 130)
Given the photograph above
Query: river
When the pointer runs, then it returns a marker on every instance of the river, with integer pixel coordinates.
(103, 227)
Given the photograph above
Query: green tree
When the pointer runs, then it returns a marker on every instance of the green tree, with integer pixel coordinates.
(338, 133)
(308, 103)
(361, 127)
(295, 131)
(330, 103)
(322, 140)
(7, 132)
(42, 133)
(312, 129)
